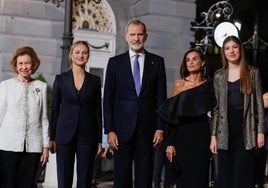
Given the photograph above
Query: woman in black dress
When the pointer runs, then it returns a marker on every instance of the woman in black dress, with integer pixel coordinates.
(187, 115)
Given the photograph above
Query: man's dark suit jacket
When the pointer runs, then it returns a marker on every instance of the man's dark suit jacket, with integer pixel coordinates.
(71, 113)
(123, 108)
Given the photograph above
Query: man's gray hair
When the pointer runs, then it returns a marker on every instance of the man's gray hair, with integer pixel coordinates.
(135, 22)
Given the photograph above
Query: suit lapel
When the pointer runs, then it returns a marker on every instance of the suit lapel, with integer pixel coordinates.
(148, 64)
(127, 71)
(69, 83)
(223, 87)
(86, 87)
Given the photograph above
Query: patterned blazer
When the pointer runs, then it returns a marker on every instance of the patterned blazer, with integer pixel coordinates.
(253, 110)
(23, 116)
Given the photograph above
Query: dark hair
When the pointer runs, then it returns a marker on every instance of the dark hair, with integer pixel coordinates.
(25, 50)
(135, 22)
(183, 70)
(246, 85)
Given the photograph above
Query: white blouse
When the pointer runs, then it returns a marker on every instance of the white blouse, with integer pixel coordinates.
(23, 116)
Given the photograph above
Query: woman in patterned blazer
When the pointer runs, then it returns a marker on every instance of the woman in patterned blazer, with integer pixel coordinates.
(23, 122)
(238, 118)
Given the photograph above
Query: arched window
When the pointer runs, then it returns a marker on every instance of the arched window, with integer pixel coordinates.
(95, 23)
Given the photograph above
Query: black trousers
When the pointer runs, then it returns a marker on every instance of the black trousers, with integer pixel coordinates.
(161, 162)
(235, 166)
(259, 166)
(85, 157)
(18, 169)
(140, 153)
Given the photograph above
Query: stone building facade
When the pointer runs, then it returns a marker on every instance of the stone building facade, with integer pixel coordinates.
(41, 25)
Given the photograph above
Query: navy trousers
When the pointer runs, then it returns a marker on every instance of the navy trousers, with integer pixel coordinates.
(85, 158)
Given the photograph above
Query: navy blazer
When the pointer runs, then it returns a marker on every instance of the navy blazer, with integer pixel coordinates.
(74, 114)
(123, 108)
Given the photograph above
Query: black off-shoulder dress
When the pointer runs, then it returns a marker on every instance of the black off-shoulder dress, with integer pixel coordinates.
(189, 132)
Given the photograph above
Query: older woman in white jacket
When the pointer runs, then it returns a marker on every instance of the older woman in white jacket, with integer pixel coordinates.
(23, 122)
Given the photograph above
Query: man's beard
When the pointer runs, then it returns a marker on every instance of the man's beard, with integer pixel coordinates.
(136, 47)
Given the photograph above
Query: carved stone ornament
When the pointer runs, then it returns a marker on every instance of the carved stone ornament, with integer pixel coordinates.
(91, 15)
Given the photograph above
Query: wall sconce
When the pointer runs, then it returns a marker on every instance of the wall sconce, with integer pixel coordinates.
(238, 24)
(255, 43)
(217, 13)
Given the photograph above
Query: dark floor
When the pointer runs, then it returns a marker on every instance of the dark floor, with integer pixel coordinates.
(106, 181)
(108, 184)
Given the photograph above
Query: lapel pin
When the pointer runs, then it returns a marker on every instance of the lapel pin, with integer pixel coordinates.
(152, 63)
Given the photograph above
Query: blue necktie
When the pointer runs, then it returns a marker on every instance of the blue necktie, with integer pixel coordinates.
(136, 74)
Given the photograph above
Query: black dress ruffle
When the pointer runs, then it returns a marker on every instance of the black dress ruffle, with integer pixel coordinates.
(193, 102)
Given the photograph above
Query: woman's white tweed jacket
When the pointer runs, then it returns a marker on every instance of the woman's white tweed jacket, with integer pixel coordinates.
(23, 116)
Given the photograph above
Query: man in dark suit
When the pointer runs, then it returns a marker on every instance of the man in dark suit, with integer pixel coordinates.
(130, 103)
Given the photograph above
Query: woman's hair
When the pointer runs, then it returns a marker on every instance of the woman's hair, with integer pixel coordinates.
(183, 70)
(25, 50)
(246, 84)
(79, 42)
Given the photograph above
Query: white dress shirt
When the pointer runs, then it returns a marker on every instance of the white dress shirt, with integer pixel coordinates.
(141, 63)
(23, 116)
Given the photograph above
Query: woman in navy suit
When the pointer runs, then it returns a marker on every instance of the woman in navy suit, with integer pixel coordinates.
(76, 119)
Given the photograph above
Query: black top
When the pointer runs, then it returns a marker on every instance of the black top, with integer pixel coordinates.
(235, 108)
(235, 96)
(175, 108)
